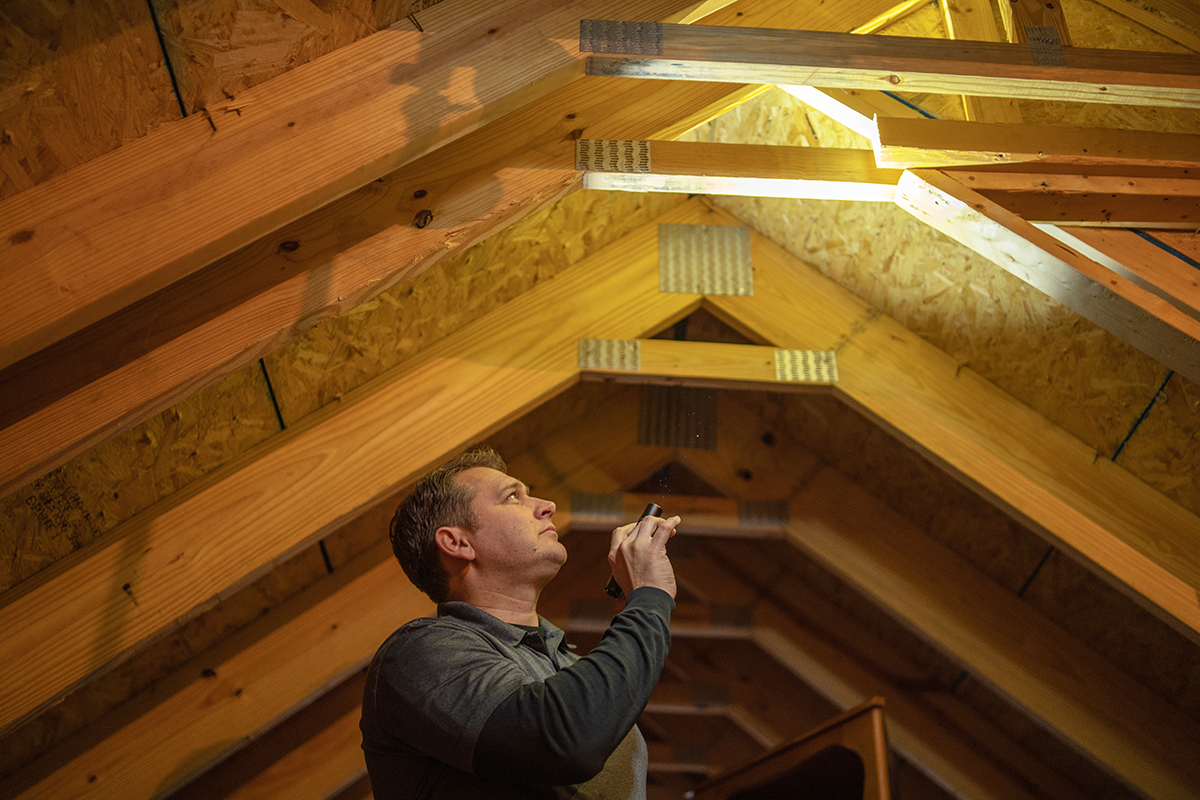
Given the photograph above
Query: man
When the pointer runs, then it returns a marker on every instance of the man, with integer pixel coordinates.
(485, 700)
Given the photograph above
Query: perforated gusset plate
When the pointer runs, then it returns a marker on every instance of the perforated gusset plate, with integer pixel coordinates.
(617, 354)
(612, 155)
(597, 507)
(806, 366)
(678, 416)
(705, 259)
(622, 38)
(763, 513)
(1045, 46)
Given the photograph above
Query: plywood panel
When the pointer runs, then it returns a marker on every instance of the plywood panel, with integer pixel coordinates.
(891, 471)
(1124, 634)
(68, 508)
(221, 48)
(76, 81)
(1165, 448)
(332, 359)
(1071, 371)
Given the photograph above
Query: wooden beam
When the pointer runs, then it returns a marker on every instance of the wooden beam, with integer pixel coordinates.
(972, 20)
(1156, 212)
(893, 14)
(87, 243)
(209, 538)
(854, 108)
(118, 373)
(1178, 20)
(711, 700)
(814, 639)
(115, 374)
(744, 169)
(859, 729)
(313, 755)
(1020, 16)
(908, 143)
(1159, 269)
(317, 769)
(1146, 321)
(918, 733)
(718, 365)
(846, 61)
(945, 754)
(231, 694)
(1123, 530)
(997, 637)
(1046, 178)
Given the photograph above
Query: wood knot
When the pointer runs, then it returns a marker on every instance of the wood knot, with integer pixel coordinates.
(288, 247)
(423, 218)
(20, 237)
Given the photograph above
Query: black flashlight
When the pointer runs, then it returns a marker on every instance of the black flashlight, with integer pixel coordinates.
(613, 589)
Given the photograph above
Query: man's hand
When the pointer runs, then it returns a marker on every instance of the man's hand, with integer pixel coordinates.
(638, 554)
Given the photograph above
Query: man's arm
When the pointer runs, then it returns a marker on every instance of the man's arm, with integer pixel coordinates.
(562, 731)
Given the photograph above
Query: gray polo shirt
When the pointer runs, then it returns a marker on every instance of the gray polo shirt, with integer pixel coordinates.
(465, 705)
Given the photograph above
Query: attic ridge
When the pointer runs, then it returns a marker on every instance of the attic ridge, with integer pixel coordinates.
(624, 38)
(705, 259)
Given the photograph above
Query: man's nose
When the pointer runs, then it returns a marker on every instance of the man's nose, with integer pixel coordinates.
(546, 508)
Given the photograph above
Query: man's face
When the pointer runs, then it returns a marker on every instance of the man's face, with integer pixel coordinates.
(513, 533)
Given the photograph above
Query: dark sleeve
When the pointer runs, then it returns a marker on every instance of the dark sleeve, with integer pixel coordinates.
(562, 730)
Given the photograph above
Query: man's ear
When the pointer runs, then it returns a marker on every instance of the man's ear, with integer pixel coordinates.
(453, 541)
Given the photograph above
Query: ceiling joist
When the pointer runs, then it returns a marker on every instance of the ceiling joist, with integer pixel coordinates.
(738, 169)
(847, 61)
(905, 143)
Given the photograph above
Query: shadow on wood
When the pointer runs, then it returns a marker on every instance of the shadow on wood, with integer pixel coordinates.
(843, 759)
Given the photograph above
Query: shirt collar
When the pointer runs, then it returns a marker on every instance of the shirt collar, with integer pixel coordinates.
(506, 633)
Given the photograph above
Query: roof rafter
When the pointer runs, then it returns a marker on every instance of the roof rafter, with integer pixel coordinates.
(80, 392)
(847, 61)
(905, 143)
(117, 228)
(1145, 320)
(203, 542)
(996, 636)
(1126, 532)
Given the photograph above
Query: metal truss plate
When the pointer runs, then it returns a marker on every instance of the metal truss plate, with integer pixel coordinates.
(1045, 46)
(622, 38)
(705, 259)
(624, 355)
(612, 155)
(806, 366)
